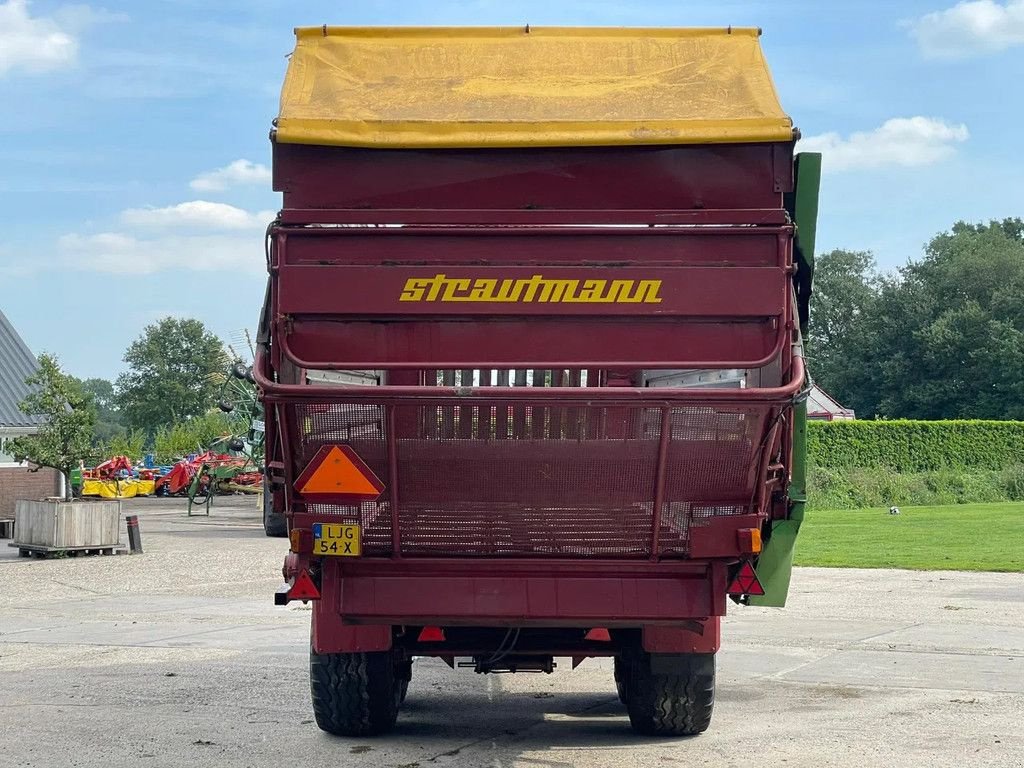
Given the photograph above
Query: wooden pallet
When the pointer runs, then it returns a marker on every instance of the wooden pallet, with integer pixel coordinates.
(40, 551)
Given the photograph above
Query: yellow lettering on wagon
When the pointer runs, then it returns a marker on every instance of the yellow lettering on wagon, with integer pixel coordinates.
(537, 288)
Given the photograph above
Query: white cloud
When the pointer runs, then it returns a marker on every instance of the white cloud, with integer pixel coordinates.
(32, 44)
(901, 141)
(121, 253)
(238, 173)
(200, 214)
(197, 235)
(970, 28)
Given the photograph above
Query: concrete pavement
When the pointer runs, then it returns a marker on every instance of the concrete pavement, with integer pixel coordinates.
(178, 658)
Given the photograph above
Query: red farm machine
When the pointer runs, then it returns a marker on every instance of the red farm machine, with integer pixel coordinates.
(531, 355)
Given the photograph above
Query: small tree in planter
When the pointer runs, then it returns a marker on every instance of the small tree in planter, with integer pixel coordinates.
(66, 435)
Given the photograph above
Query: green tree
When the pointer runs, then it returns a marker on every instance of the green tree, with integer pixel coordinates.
(941, 338)
(109, 419)
(957, 323)
(846, 287)
(66, 436)
(171, 374)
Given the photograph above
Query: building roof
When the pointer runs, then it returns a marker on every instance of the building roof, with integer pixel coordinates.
(821, 403)
(17, 363)
(528, 86)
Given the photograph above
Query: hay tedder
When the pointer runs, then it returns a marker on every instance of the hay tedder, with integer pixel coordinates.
(531, 355)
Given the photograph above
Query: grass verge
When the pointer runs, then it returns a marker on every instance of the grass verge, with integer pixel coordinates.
(959, 537)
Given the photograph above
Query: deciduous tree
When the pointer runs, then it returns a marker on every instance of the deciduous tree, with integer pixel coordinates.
(171, 374)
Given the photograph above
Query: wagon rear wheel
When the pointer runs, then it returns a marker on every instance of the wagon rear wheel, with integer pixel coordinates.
(354, 694)
(620, 679)
(274, 523)
(669, 694)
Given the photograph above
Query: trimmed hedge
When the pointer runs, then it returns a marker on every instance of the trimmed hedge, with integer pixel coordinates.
(916, 446)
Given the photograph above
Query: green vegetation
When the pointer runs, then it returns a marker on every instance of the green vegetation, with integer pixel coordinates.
(855, 464)
(940, 338)
(857, 487)
(131, 444)
(967, 537)
(172, 374)
(65, 438)
(916, 446)
(191, 436)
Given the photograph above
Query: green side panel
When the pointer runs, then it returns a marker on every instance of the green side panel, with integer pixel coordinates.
(802, 205)
(775, 565)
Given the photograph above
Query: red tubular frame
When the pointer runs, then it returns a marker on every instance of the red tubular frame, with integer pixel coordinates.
(535, 364)
(665, 397)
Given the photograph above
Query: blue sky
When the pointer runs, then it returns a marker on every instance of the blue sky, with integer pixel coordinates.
(134, 152)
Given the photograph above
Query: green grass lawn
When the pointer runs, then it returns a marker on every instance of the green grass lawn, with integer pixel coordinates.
(961, 537)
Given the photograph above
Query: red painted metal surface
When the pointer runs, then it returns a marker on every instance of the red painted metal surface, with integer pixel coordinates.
(451, 592)
(725, 291)
(702, 636)
(723, 176)
(329, 634)
(436, 217)
(531, 480)
(359, 345)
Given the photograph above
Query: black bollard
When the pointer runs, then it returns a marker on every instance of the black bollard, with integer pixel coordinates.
(134, 536)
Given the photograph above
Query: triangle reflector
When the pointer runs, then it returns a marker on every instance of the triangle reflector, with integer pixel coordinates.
(745, 582)
(337, 473)
(303, 588)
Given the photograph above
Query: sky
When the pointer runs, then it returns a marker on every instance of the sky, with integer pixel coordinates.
(134, 158)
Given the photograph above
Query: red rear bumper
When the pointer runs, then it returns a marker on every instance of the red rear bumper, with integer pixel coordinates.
(364, 599)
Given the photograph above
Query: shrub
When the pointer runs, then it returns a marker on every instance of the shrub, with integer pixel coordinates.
(857, 487)
(192, 436)
(131, 444)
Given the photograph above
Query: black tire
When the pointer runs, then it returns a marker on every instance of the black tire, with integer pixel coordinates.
(275, 524)
(670, 695)
(225, 406)
(239, 370)
(404, 672)
(620, 679)
(354, 694)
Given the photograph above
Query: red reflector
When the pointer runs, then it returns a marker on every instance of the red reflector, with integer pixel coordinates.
(431, 635)
(599, 635)
(303, 588)
(745, 582)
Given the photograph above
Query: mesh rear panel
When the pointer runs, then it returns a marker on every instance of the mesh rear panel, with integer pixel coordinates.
(538, 481)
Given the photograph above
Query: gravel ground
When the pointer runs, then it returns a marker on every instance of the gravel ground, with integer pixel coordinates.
(178, 658)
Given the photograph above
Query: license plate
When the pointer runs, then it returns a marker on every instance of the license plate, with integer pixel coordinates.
(341, 539)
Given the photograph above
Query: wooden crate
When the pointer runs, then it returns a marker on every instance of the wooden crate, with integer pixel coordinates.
(67, 525)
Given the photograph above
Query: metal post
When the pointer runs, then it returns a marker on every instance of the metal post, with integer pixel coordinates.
(134, 535)
(392, 440)
(659, 481)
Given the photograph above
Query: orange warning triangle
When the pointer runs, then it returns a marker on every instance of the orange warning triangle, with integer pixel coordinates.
(337, 471)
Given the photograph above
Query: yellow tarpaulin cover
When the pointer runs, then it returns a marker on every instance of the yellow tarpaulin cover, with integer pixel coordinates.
(117, 489)
(518, 86)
